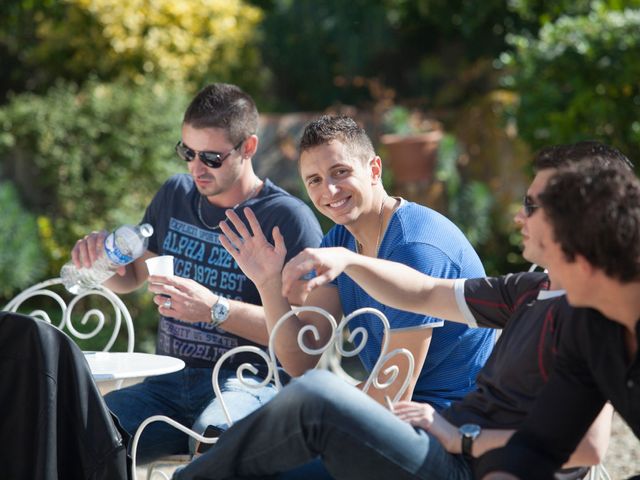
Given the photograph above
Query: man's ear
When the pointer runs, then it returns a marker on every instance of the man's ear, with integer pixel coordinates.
(249, 146)
(375, 167)
(584, 266)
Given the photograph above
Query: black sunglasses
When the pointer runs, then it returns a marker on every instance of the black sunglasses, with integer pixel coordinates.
(529, 206)
(210, 159)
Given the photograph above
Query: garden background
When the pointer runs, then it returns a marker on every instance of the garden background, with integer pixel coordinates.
(92, 94)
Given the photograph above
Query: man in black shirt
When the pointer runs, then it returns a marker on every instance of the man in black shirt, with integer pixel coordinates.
(598, 262)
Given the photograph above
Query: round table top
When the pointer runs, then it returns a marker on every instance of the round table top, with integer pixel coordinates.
(120, 365)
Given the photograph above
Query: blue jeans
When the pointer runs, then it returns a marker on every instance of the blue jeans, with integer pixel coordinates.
(319, 415)
(186, 396)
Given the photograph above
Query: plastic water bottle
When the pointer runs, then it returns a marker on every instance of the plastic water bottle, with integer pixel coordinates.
(122, 246)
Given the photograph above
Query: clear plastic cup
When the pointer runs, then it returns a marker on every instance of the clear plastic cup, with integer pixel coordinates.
(162, 265)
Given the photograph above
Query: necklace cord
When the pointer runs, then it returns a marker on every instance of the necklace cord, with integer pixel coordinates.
(251, 195)
(359, 247)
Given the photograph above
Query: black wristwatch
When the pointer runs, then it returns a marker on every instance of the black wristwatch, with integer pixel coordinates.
(469, 432)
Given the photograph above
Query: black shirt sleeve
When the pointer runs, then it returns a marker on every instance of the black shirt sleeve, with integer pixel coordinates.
(491, 301)
(563, 413)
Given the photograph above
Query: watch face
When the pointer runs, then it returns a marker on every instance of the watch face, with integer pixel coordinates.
(220, 310)
(470, 430)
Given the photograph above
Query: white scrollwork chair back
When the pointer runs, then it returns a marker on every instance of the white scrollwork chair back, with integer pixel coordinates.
(359, 335)
(52, 289)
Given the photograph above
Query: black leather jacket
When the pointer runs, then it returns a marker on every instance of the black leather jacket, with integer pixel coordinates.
(53, 421)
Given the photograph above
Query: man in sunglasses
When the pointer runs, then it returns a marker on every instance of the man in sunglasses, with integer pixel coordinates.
(598, 261)
(355, 438)
(209, 306)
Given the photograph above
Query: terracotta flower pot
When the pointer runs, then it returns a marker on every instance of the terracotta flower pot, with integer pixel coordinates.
(412, 158)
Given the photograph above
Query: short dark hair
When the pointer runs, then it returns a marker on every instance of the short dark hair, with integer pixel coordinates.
(595, 212)
(224, 106)
(341, 128)
(557, 156)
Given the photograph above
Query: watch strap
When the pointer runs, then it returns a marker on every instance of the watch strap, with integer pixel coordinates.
(469, 432)
(467, 443)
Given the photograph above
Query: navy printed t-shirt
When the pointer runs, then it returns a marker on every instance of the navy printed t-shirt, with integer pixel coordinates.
(199, 255)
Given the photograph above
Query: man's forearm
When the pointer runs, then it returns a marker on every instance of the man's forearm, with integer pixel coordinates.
(593, 446)
(126, 283)
(490, 439)
(589, 452)
(247, 321)
(404, 288)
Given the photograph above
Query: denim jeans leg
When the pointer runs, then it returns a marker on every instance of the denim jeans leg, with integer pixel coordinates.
(314, 470)
(240, 400)
(320, 415)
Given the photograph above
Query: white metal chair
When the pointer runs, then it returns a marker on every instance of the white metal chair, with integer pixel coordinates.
(51, 302)
(391, 374)
(53, 289)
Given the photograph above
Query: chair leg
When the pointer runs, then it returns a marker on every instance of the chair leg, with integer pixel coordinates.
(172, 460)
(599, 472)
(151, 471)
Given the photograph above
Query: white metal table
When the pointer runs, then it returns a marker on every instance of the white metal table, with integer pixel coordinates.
(112, 367)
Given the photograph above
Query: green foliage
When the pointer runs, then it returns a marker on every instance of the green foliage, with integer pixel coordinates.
(22, 261)
(17, 33)
(90, 158)
(186, 41)
(443, 49)
(579, 80)
(400, 120)
(315, 49)
(432, 52)
(396, 120)
(541, 12)
(469, 201)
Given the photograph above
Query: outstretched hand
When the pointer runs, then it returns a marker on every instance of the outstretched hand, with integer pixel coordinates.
(258, 259)
(327, 263)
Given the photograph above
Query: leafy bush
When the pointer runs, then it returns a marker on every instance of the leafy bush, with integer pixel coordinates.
(189, 42)
(22, 261)
(469, 202)
(579, 80)
(332, 44)
(90, 158)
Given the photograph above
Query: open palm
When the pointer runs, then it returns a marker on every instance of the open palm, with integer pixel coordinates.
(259, 260)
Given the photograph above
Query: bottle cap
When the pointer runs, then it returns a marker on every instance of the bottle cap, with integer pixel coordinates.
(146, 230)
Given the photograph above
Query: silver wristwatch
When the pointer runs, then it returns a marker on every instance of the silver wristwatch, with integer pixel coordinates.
(219, 311)
(469, 432)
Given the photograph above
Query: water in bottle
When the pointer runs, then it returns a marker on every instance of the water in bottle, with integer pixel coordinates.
(121, 247)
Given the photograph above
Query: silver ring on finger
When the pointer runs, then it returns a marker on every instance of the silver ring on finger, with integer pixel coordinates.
(167, 303)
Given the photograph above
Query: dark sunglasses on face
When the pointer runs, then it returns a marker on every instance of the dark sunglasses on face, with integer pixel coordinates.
(210, 159)
(528, 206)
